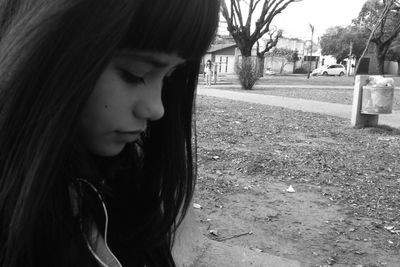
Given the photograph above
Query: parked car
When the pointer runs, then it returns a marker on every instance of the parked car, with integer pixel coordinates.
(269, 72)
(334, 69)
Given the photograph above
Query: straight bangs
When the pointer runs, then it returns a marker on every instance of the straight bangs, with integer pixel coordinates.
(184, 27)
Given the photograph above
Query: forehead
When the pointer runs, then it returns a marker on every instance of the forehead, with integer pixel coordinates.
(157, 59)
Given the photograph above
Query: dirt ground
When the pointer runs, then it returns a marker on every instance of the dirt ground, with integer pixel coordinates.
(345, 208)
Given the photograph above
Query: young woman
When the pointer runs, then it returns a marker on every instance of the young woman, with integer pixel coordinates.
(208, 70)
(96, 102)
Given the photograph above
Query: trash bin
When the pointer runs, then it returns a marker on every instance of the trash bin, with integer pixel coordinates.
(377, 99)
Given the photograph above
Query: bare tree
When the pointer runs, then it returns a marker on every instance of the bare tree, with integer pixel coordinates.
(274, 36)
(240, 14)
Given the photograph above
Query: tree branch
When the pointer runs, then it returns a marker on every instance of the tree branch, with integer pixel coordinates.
(231, 21)
(225, 14)
(238, 11)
(276, 9)
(267, 11)
(272, 42)
(264, 11)
(393, 36)
(251, 10)
(256, 4)
(252, 7)
(266, 7)
(266, 29)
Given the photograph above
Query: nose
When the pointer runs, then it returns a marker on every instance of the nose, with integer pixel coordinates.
(149, 104)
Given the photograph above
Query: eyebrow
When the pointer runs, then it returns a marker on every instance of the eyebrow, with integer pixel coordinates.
(156, 62)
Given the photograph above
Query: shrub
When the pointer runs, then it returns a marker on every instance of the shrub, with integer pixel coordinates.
(300, 70)
(248, 74)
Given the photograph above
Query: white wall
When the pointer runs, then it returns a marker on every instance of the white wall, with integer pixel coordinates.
(226, 64)
(207, 57)
(327, 60)
(390, 67)
(275, 63)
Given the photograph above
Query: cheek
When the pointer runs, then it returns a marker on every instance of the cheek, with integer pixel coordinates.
(102, 105)
(95, 115)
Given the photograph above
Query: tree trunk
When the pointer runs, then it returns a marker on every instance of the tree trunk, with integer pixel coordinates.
(282, 66)
(381, 51)
(260, 65)
(381, 65)
(245, 49)
(398, 67)
(380, 56)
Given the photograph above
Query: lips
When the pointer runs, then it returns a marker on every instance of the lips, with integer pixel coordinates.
(139, 131)
(128, 136)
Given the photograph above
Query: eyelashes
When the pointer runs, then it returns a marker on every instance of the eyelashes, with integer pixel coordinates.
(130, 78)
(133, 79)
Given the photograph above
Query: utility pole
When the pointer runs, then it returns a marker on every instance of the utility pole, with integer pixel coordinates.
(349, 62)
(309, 60)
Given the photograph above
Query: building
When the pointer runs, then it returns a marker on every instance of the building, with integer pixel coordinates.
(303, 48)
(292, 43)
(223, 55)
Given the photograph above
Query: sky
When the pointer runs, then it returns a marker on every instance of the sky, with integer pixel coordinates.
(322, 14)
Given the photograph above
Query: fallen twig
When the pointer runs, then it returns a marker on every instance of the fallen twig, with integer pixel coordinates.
(377, 203)
(234, 236)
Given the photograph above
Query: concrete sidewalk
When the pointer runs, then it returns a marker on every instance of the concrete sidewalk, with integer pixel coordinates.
(338, 110)
(223, 84)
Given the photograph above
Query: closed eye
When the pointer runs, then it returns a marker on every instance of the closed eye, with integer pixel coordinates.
(130, 78)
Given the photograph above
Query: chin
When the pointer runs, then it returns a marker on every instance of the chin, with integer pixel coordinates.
(107, 151)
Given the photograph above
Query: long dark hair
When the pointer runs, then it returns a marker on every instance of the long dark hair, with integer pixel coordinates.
(51, 54)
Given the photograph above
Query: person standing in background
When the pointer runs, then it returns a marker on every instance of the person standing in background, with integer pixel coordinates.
(208, 69)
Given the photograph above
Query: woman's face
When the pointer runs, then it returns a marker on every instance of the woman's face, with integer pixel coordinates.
(126, 95)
